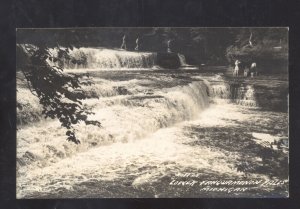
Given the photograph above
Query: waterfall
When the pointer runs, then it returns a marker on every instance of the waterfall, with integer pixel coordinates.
(98, 58)
(184, 65)
(182, 60)
(220, 91)
(125, 116)
(154, 124)
(245, 95)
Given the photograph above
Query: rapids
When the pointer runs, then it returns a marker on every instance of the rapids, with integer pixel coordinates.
(155, 124)
(100, 58)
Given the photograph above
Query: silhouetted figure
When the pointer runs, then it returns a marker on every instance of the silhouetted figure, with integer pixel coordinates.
(123, 46)
(137, 44)
(236, 68)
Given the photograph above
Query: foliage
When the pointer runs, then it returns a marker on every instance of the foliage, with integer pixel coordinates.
(258, 44)
(59, 93)
(199, 45)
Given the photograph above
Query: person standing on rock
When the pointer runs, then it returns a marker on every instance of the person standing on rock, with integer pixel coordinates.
(236, 68)
(137, 44)
(123, 46)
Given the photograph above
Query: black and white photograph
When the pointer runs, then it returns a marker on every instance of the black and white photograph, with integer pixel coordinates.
(152, 112)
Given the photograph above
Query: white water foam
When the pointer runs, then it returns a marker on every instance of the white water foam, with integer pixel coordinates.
(98, 58)
(121, 120)
(166, 149)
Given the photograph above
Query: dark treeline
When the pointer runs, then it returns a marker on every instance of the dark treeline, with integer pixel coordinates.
(213, 46)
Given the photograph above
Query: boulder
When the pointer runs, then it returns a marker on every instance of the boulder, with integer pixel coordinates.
(168, 60)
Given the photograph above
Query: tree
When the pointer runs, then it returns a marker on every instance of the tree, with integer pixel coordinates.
(264, 45)
(59, 93)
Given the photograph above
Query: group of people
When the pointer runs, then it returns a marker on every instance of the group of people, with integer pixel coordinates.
(137, 42)
(123, 46)
(248, 71)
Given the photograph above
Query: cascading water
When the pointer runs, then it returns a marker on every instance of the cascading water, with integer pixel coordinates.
(125, 116)
(154, 124)
(121, 107)
(182, 60)
(222, 91)
(245, 95)
(97, 58)
(184, 65)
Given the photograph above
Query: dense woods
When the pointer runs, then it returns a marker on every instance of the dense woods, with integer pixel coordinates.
(214, 46)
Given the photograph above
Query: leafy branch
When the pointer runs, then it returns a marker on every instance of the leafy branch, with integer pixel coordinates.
(59, 93)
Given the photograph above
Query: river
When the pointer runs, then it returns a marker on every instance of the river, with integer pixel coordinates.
(158, 126)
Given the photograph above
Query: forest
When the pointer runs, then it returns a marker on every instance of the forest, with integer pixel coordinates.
(212, 46)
